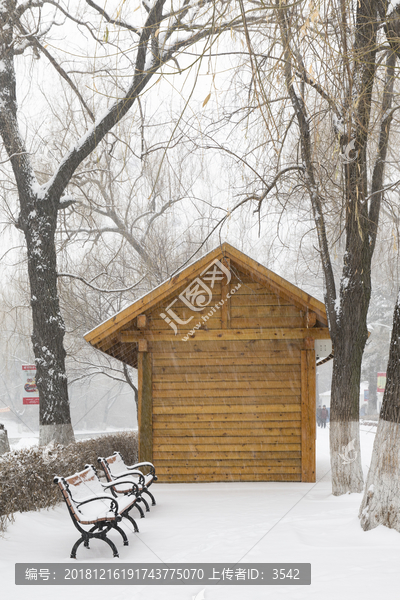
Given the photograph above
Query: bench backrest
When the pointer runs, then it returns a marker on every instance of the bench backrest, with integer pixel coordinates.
(85, 483)
(78, 486)
(113, 465)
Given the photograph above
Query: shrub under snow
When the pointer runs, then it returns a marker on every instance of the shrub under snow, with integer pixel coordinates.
(26, 476)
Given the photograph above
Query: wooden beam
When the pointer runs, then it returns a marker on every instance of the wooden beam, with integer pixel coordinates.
(142, 346)
(308, 391)
(141, 321)
(297, 333)
(311, 318)
(108, 343)
(309, 343)
(145, 408)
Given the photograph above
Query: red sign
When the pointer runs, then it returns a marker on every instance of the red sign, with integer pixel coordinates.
(29, 382)
(30, 400)
(381, 382)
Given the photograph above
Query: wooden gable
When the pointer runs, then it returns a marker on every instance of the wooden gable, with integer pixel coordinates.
(275, 304)
(225, 353)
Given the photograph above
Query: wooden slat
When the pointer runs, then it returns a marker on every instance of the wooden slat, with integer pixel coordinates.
(228, 477)
(172, 423)
(257, 289)
(108, 343)
(211, 323)
(248, 348)
(214, 393)
(229, 334)
(215, 432)
(190, 441)
(222, 408)
(211, 470)
(267, 322)
(230, 379)
(246, 297)
(232, 361)
(270, 382)
(227, 455)
(226, 447)
(257, 311)
(178, 305)
(246, 415)
(165, 372)
(145, 407)
(250, 464)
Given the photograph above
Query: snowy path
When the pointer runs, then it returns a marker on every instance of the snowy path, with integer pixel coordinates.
(256, 522)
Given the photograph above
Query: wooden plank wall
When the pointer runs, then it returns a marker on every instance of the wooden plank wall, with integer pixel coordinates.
(230, 410)
(250, 307)
(227, 412)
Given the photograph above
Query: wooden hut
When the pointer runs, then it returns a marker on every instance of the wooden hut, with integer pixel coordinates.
(225, 352)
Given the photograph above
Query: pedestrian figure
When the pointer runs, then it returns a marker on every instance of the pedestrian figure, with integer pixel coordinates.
(324, 416)
(319, 415)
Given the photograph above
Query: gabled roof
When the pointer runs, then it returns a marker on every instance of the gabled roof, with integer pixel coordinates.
(105, 335)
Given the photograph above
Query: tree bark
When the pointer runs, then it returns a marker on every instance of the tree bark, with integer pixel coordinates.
(347, 476)
(381, 501)
(4, 444)
(38, 221)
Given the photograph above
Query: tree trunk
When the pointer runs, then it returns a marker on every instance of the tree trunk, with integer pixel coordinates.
(347, 473)
(38, 220)
(381, 501)
(372, 387)
(4, 444)
(133, 386)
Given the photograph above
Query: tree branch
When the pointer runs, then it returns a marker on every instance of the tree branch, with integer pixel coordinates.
(97, 289)
(379, 167)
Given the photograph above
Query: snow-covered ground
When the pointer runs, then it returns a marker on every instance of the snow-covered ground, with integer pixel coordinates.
(226, 522)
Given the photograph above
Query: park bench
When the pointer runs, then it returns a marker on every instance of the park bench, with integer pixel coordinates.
(115, 470)
(94, 512)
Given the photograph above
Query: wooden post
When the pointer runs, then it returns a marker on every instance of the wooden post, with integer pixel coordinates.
(142, 346)
(141, 321)
(226, 307)
(145, 408)
(310, 319)
(308, 427)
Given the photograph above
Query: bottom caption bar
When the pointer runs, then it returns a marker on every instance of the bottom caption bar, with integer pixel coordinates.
(163, 574)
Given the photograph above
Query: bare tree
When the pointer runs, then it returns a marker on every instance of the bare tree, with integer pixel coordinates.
(162, 33)
(381, 501)
(323, 82)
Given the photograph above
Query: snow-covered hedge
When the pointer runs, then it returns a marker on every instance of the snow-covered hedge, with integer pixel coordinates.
(26, 476)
